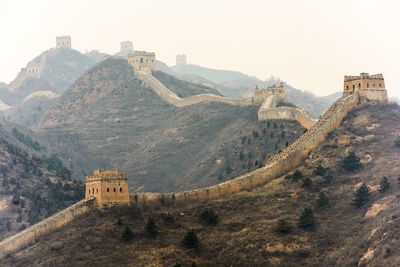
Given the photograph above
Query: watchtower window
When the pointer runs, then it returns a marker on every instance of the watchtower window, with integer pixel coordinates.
(380, 85)
(120, 189)
(359, 86)
(141, 60)
(93, 191)
(108, 189)
(354, 87)
(347, 87)
(97, 190)
(114, 189)
(367, 85)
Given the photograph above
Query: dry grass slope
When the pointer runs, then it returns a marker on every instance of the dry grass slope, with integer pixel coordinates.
(246, 233)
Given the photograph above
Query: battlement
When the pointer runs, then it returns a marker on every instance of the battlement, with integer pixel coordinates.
(142, 60)
(371, 87)
(108, 186)
(63, 42)
(363, 76)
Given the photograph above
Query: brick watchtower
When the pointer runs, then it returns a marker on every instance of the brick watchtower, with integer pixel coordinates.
(108, 186)
(371, 87)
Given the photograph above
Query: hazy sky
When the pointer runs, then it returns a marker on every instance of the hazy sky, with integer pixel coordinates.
(310, 44)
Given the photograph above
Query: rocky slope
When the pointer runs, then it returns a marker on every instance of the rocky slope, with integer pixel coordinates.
(34, 184)
(246, 230)
(109, 118)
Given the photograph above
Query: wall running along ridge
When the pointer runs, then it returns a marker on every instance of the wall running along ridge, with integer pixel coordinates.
(280, 164)
(31, 234)
(304, 118)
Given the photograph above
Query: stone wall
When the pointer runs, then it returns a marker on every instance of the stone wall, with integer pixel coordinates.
(31, 234)
(170, 97)
(282, 163)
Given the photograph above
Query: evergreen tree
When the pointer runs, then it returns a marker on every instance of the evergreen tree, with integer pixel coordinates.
(320, 170)
(307, 219)
(322, 200)
(328, 179)
(307, 182)
(126, 234)
(209, 217)
(151, 228)
(384, 185)
(361, 196)
(397, 143)
(297, 175)
(351, 162)
(284, 226)
(191, 240)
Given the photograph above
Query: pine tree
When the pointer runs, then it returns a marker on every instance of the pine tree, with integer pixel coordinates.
(351, 162)
(322, 200)
(284, 226)
(307, 182)
(307, 219)
(384, 185)
(328, 179)
(151, 228)
(361, 196)
(209, 217)
(297, 175)
(127, 234)
(397, 143)
(190, 240)
(320, 170)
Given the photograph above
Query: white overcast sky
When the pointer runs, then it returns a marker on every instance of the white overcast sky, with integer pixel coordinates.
(310, 44)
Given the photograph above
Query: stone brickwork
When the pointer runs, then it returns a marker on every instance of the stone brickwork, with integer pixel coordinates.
(108, 186)
(31, 234)
(370, 87)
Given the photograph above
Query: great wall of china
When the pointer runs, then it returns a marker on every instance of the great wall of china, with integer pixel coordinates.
(355, 88)
(268, 111)
(280, 164)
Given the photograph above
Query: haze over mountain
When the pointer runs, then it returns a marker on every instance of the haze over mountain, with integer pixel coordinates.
(110, 118)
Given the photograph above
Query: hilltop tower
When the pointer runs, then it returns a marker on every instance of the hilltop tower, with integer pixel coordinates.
(180, 60)
(261, 94)
(371, 87)
(126, 47)
(142, 60)
(63, 42)
(108, 186)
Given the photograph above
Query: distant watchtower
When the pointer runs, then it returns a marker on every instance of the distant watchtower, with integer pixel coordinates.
(142, 60)
(371, 87)
(180, 60)
(261, 94)
(63, 42)
(108, 186)
(126, 47)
